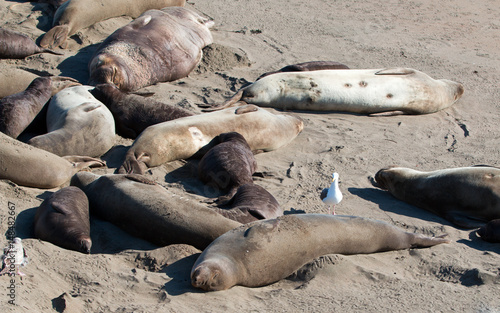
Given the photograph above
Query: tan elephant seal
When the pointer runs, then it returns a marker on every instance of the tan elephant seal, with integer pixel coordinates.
(264, 252)
(184, 137)
(159, 46)
(466, 196)
(32, 167)
(368, 91)
(63, 219)
(77, 124)
(149, 211)
(74, 15)
(15, 45)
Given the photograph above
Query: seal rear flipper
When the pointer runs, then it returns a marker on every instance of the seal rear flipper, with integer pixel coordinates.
(81, 162)
(228, 103)
(395, 71)
(422, 241)
(132, 165)
(246, 109)
(56, 37)
(388, 113)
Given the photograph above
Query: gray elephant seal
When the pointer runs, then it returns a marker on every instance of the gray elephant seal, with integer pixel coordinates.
(466, 196)
(149, 211)
(77, 124)
(159, 46)
(63, 219)
(74, 15)
(266, 251)
(308, 66)
(15, 45)
(491, 231)
(17, 111)
(391, 91)
(32, 167)
(135, 113)
(184, 137)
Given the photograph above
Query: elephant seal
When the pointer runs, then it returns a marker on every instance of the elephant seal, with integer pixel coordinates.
(17, 111)
(146, 210)
(184, 137)
(71, 16)
(63, 219)
(308, 66)
(135, 113)
(263, 252)
(465, 196)
(159, 46)
(14, 80)
(15, 45)
(77, 124)
(491, 231)
(32, 167)
(370, 91)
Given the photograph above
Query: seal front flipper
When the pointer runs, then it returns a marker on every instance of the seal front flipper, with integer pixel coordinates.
(388, 113)
(246, 109)
(56, 37)
(81, 162)
(233, 101)
(395, 71)
(141, 22)
(133, 164)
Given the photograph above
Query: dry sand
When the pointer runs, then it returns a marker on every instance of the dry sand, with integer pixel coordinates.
(457, 40)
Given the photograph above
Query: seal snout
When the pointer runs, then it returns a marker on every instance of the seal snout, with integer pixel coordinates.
(201, 276)
(85, 245)
(380, 178)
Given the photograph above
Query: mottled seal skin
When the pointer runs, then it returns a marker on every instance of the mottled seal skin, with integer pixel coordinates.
(466, 196)
(32, 167)
(63, 219)
(74, 15)
(159, 46)
(17, 111)
(135, 113)
(184, 137)
(149, 211)
(15, 45)
(308, 66)
(369, 91)
(77, 124)
(263, 252)
(491, 231)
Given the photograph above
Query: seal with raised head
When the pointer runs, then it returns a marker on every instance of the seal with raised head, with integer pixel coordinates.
(264, 252)
(15, 45)
(491, 231)
(308, 66)
(149, 211)
(465, 196)
(63, 219)
(77, 124)
(74, 15)
(184, 137)
(17, 111)
(159, 46)
(386, 91)
(134, 113)
(28, 166)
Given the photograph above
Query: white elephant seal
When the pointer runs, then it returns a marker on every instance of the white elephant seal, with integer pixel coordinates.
(263, 252)
(77, 124)
(184, 137)
(368, 91)
(466, 196)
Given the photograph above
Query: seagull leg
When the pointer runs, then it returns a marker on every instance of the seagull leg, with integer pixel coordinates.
(333, 210)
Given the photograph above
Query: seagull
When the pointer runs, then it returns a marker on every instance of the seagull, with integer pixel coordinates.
(332, 196)
(14, 254)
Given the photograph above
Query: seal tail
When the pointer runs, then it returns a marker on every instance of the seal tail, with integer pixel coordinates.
(56, 37)
(422, 241)
(228, 103)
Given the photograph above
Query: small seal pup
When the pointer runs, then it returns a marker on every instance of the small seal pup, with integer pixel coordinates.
(71, 16)
(264, 252)
(390, 91)
(77, 124)
(465, 196)
(146, 210)
(159, 46)
(15, 45)
(63, 219)
(32, 167)
(184, 137)
(491, 231)
(134, 113)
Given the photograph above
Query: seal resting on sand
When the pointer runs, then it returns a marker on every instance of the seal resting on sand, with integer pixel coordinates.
(465, 196)
(159, 46)
(74, 15)
(264, 252)
(184, 137)
(491, 231)
(146, 210)
(15, 45)
(63, 219)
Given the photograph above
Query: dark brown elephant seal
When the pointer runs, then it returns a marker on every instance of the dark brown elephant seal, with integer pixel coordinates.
(159, 46)
(74, 15)
(15, 45)
(308, 66)
(32, 167)
(466, 196)
(17, 111)
(134, 113)
(63, 219)
(149, 211)
(263, 252)
(491, 231)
